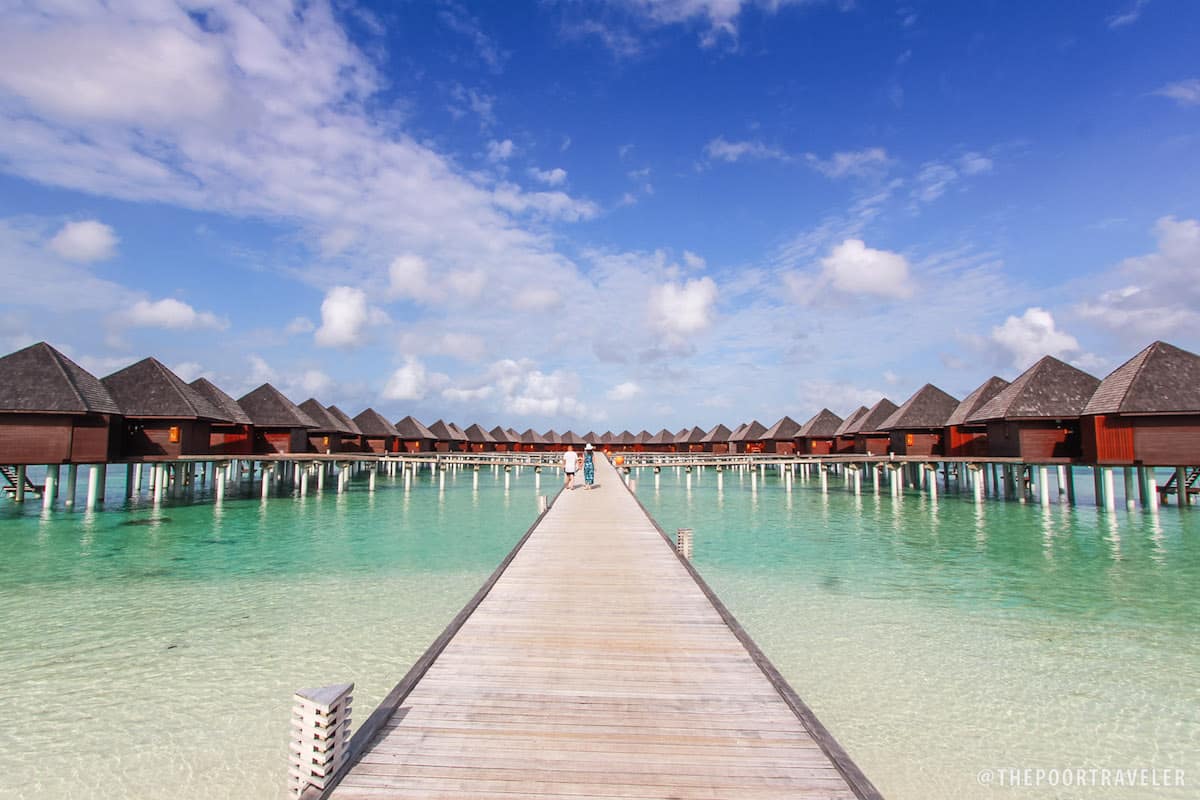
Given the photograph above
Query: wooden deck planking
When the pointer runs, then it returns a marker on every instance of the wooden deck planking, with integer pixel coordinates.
(596, 666)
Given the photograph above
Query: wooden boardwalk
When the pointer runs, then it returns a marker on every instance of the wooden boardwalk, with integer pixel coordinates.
(597, 665)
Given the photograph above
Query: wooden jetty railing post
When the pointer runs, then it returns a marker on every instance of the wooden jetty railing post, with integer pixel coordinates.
(320, 736)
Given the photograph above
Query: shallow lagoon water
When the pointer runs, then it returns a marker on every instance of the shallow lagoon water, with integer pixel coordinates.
(153, 652)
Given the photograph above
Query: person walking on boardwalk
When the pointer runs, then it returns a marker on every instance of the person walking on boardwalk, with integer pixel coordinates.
(570, 463)
(589, 466)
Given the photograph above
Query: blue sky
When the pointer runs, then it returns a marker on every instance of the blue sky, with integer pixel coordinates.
(600, 215)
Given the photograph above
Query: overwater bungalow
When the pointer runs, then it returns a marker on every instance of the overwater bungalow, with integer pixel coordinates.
(844, 435)
(445, 438)
(690, 441)
(818, 435)
(351, 436)
(232, 438)
(501, 441)
(608, 441)
(716, 440)
(574, 439)
(1036, 417)
(780, 438)
(279, 424)
(963, 439)
(661, 442)
(53, 411)
(624, 441)
(591, 438)
(533, 442)
(554, 442)
(378, 435)
(869, 439)
(479, 440)
(413, 436)
(1147, 411)
(327, 436)
(641, 439)
(165, 418)
(917, 428)
(748, 438)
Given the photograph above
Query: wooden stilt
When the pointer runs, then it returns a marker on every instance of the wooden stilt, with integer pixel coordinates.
(1182, 487)
(129, 470)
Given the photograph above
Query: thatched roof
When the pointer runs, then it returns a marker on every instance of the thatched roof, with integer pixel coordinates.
(457, 431)
(608, 438)
(570, 437)
(530, 436)
(326, 422)
(268, 408)
(976, 400)
(719, 433)
(149, 389)
(736, 436)
(663, 437)
(227, 405)
(681, 436)
(43, 380)
(344, 419)
(784, 430)
(750, 432)
(445, 432)
(1050, 389)
(643, 437)
(477, 435)
(513, 436)
(499, 435)
(374, 424)
(929, 407)
(875, 417)
(411, 430)
(823, 424)
(625, 439)
(591, 438)
(847, 428)
(552, 437)
(1162, 379)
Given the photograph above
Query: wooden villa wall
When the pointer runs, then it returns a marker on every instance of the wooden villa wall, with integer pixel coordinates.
(843, 444)
(378, 444)
(719, 448)
(231, 440)
(58, 439)
(875, 444)
(441, 447)
(1033, 440)
(963, 441)
(816, 447)
(1106, 440)
(280, 440)
(416, 445)
(325, 443)
(151, 438)
(1161, 441)
(916, 443)
(781, 447)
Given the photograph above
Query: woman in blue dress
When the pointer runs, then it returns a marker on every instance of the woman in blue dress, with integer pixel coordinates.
(589, 466)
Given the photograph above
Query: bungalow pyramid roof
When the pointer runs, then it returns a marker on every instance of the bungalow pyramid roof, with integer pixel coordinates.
(373, 424)
(608, 438)
(681, 436)
(1161, 379)
(552, 437)
(457, 431)
(326, 422)
(1050, 389)
(719, 433)
(929, 407)
(149, 389)
(41, 379)
(663, 437)
(571, 438)
(847, 428)
(444, 432)
(477, 435)
(268, 408)
(410, 429)
(785, 429)
(750, 432)
(591, 438)
(873, 419)
(822, 424)
(696, 435)
(736, 436)
(976, 400)
(643, 437)
(499, 435)
(624, 438)
(530, 436)
(227, 405)
(344, 419)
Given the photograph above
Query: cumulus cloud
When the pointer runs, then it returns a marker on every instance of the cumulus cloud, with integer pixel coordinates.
(682, 310)
(1034, 334)
(189, 370)
(547, 205)
(409, 382)
(1185, 92)
(345, 314)
(624, 391)
(719, 17)
(854, 268)
(693, 261)
(500, 151)
(550, 177)
(85, 241)
(869, 161)
(171, 314)
(720, 149)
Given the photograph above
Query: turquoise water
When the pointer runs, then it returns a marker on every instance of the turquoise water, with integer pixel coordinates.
(152, 652)
(940, 643)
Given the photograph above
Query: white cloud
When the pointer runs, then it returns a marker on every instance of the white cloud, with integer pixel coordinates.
(409, 278)
(682, 310)
(869, 161)
(1185, 92)
(624, 391)
(547, 205)
(467, 395)
(720, 17)
(854, 268)
(345, 314)
(409, 382)
(171, 314)
(550, 177)
(189, 371)
(1034, 334)
(85, 241)
(1127, 17)
(299, 325)
(974, 164)
(720, 149)
(500, 151)
(932, 181)
(693, 261)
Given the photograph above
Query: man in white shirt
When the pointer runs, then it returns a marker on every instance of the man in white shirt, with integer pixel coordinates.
(570, 463)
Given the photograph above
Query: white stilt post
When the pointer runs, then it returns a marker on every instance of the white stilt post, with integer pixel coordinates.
(1130, 503)
(1062, 480)
(931, 482)
(824, 478)
(1044, 485)
(371, 477)
(304, 470)
(19, 493)
(93, 490)
(268, 474)
(1152, 489)
(50, 489)
(977, 479)
(219, 476)
(72, 478)
(1182, 487)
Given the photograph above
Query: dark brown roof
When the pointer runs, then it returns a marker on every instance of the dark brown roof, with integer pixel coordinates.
(444, 432)
(570, 437)
(643, 437)
(551, 436)
(268, 408)
(823, 424)
(847, 427)
(475, 433)
(682, 436)
(719, 433)
(344, 418)
(784, 430)
(750, 432)
(226, 404)
(41, 379)
(608, 438)
(870, 422)
(1162, 379)
(591, 438)
(736, 436)
(149, 389)
(1050, 389)
(513, 436)
(530, 436)
(929, 407)
(374, 424)
(976, 399)
(661, 438)
(410, 429)
(326, 422)
(693, 436)
(457, 431)
(500, 435)
(624, 438)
